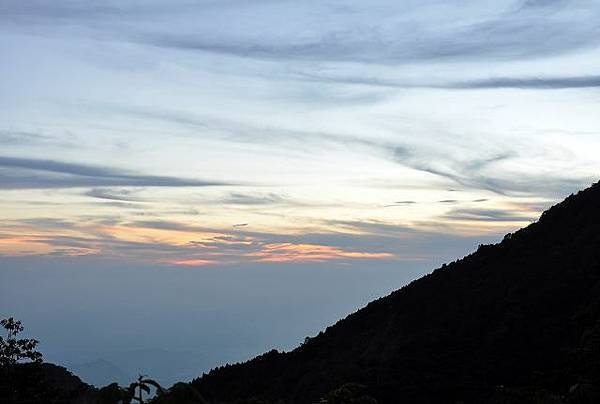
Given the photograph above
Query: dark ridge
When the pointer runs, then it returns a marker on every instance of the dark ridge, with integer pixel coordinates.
(33, 383)
(509, 323)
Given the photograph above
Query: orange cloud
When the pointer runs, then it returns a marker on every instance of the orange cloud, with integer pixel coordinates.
(37, 245)
(22, 246)
(194, 262)
(288, 252)
(284, 253)
(173, 246)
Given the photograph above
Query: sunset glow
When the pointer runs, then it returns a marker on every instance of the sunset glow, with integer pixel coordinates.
(202, 181)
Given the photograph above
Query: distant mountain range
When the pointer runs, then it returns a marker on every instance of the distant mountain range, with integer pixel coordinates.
(101, 372)
(514, 322)
(166, 366)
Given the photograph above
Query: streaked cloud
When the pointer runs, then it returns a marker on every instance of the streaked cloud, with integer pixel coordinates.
(526, 83)
(403, 33)
(27, 173)
(518, 30)
(476, 174)
(172, 243)
(288, 252)
(194, 244)
(486, 215)
(125, 195)
(9, 137)
(531, 83)
(236, 198)
(199, 135)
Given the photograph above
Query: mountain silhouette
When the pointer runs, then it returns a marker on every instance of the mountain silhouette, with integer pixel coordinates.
(33, 383)
(101, 372)
(517, 321)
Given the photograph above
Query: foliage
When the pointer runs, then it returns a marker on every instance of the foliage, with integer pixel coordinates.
(34, 383)
(349, 393)
(113, 393)
(179, 393)
(14, 350)
(143, 385)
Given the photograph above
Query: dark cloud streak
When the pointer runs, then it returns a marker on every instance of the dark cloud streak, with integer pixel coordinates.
(487, 215)
(542, 83)
(27, 173)
(525, 83)
(236, 198)
(530, 29)
(123, 195)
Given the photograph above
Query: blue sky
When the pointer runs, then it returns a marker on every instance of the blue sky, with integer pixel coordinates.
(228, 136)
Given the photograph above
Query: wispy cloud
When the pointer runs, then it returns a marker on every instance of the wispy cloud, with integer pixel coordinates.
(475, 174)
(400, 203)
(519, 32)
(488, 215)
(176, 243)
(27, 173)
(125, 195)
(403, 33)
(236, 198)
(236, 96)
(526, 82)
(532, 83)
(9, 137)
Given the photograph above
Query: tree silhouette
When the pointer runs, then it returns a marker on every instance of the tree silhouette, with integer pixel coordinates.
(13, 350)
(143, 385)
(349, 393)
(113, 393)
(180, 393)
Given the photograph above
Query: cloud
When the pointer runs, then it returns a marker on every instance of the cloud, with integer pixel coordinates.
(540, 3)
(539, 185)
(195, 245)
(469, 174)
(522, 32)
(124, 195)
(170, 225)
(487, 215)
(237, 131)
(475, 174)
(117, 204)
(26, 173)
(236, 198)
(290, 252)
(443, 201)
(40, 11)
(414, 36)
(48, 222)
(531, 83)
(482, 163)
(405, 32)
(192, 244)
(526, 83)
(21, 137)
(401, 203)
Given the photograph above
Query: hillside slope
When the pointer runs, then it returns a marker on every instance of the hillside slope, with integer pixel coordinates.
(510, 321)
(33, 383)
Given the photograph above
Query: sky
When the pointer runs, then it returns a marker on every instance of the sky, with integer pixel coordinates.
(229, 163)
